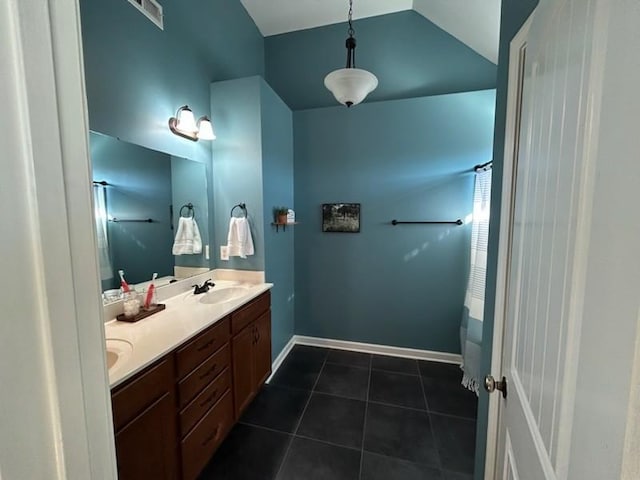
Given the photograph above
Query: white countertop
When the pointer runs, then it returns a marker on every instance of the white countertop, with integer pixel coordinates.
(159, 334)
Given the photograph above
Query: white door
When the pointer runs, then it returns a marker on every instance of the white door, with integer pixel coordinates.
(562, 420)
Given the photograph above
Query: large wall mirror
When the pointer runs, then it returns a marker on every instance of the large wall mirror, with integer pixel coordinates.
(139, 196)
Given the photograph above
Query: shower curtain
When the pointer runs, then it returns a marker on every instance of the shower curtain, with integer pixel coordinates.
(473, 313)
(100, 206)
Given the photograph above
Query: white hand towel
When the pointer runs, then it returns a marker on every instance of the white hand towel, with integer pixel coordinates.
(239, 240)
(188, 240)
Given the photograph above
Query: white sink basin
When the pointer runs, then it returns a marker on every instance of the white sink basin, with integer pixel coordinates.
(223, 294)
(118, 351)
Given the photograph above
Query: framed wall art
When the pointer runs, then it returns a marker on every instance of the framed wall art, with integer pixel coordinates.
(341, 217)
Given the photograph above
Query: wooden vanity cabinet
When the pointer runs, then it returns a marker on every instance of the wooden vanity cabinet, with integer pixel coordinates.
(251, 350)
(205, 398)
(170, 419)
(145, 424)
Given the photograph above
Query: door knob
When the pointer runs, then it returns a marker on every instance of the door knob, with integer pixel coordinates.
(491, 385)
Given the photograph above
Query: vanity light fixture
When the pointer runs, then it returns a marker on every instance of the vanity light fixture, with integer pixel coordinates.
(351, 85)
(205, 129)
(184, 124)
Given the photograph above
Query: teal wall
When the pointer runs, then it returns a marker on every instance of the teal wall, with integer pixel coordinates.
(514, 14)
(137, 75)
(410, 55)
(277, 187)
(140, 188)
(189, 185)
(237, 165)
(253, 164)
(406, 159)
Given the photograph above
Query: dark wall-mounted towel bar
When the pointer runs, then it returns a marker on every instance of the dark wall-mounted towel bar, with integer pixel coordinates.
(398, 222)
(135, 220)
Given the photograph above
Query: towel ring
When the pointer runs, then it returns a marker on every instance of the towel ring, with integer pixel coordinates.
(242, 206)
(190, 208)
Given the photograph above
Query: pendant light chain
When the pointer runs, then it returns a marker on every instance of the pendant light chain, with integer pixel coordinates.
(351, 30)
(351, 42)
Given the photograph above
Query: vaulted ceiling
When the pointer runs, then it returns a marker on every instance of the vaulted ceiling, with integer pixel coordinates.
(476, 23)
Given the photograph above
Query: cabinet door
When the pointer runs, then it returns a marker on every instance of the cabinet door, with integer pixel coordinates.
(263, 349)
(242, 347)
(146, 447)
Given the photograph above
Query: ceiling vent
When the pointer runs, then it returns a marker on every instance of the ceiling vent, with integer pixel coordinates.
(151, 9)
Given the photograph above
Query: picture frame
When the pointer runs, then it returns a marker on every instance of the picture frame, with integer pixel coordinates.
(341, 217)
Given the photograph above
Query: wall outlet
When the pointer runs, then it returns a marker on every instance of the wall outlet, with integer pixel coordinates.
(224, 252)
(206, 252)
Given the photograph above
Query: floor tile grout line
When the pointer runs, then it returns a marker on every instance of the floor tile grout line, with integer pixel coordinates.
(433, 433)
(457, 417)
(263, 427)
(364, 426)
(404, 460)
(404, 407)
(396, 373)
(305, 437)
(347, 365)
(295, 430)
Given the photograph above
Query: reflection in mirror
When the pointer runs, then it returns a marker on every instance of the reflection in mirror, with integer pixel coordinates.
(138, 195)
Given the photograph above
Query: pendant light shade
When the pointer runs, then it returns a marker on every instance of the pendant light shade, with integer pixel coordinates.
(351, 85)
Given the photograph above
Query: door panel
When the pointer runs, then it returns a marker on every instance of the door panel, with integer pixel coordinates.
(141, 456)
(542, 325)
(263, 348)
(242, 346)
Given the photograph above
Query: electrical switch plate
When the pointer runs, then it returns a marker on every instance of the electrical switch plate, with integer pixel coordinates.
(206, 252)
(224, 252)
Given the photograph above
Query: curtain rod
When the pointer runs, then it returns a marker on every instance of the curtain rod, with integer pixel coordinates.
(102, 182)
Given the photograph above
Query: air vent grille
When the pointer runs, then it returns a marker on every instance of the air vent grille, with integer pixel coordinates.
(151, 9)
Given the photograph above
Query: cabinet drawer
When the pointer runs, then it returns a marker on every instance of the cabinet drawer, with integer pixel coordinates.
(195, 382)
(193, 353)
(141, 391)
(204, 401)
(205, 438)
(247, 314)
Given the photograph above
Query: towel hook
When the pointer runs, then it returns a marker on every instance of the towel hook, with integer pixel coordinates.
(242, 206)
(191, 209)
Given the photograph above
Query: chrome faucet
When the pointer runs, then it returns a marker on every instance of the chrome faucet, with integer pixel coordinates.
(197, 290)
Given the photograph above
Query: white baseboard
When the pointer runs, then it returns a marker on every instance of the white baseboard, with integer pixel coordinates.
(373, 348)
(275, 365)
(376, 349)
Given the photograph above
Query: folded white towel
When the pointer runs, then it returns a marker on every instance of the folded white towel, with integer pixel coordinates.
(188, 240)
(239, 240)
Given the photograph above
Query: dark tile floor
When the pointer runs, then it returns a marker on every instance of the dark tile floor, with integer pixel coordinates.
(334, 415)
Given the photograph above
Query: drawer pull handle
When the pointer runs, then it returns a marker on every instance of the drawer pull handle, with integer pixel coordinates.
(213, 436)
(208, 372)
(209, 398)
(207, 345)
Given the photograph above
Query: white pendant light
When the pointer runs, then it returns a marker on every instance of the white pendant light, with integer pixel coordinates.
(351, 85)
